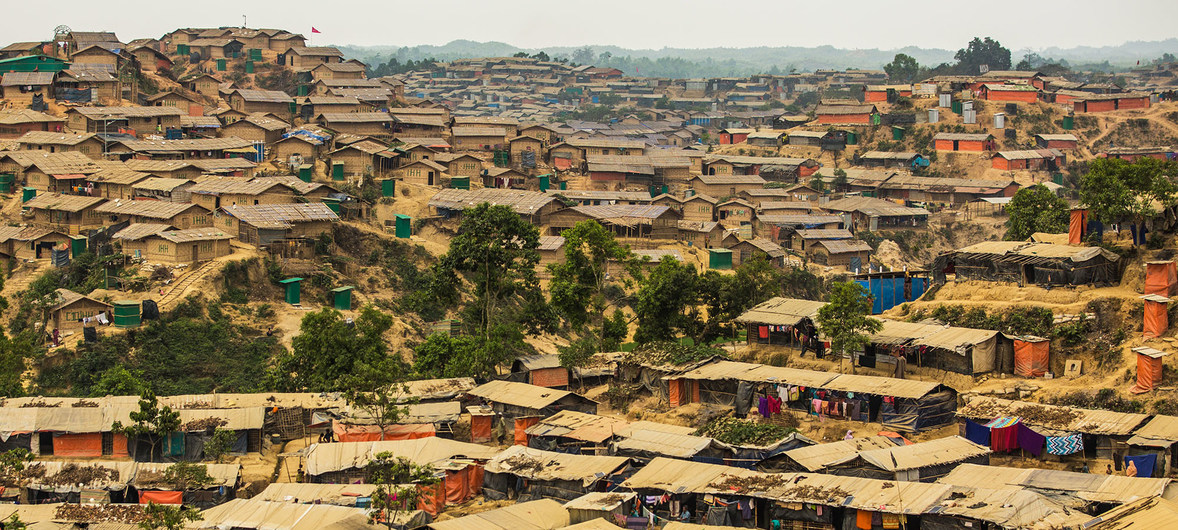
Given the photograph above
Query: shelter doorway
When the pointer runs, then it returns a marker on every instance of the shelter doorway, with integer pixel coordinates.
(195, 253)
(45, 443)
(1028, 274)
(43, 247)
(430, 182)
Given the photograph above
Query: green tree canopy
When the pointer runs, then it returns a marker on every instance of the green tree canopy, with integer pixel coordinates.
(1035, 209)
(328, 350)
(151, 421)
(902, 69)
(982, 52)
(1115, 190)
(846, 319)
(667, 302)
(168, 516)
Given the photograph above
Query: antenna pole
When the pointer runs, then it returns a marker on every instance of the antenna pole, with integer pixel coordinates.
(243, 22)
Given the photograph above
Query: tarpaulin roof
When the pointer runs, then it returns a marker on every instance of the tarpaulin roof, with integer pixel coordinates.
(325, 458)
(1059, 418)
(924, 454)
(520, 394)
(577, 426)
(535, 464)
(545, 514)
(1086, 487)
(256, 514)
(781, 311)
(663, 443)
(816, 457)
(338, 494)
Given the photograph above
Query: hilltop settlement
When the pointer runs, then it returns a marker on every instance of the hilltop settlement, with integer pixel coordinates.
(249, 283)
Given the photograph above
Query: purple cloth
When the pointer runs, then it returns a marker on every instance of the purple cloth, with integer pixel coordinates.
(976, 433)
(1030, 441)
(763, 407)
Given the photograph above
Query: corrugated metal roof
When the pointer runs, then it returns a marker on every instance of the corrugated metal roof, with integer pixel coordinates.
(1161, 427)
(721, 370)
(65, 203)
(522, 202)
(1150, 512)
(534, 464)
(281, 216)
(137, 231)
(151, 209)
(193, 234)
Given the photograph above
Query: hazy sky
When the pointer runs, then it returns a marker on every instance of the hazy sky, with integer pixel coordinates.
(631, 23)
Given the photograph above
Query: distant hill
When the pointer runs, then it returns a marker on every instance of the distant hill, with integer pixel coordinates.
(711, 62)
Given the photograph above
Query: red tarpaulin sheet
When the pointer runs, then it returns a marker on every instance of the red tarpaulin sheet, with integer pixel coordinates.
(1030, 358)
(480, 428)
(1156, 320)
(1149, 373)
(476, 478)
(78, 445)
(1161, 278)
(457, 486)
(432, 498)
(161, 497)
(674, 390)
(562, 163)
(521, 425)
(1076, 226)
(371, 433)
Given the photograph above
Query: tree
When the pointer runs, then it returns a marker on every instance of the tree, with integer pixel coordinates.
(666, 302)
(840, 180)
(1115, 190)
(902, 69)
(497, 249)
(328, 349)
(13, 522)
(397, 480)
(220, 444)
(1035, 209)
(13, 461)
(151, 421)
(728, 296)
(119, 381)
(167, 516)
(584, 55)
(845, 318)
(817, 183)
(374, 389)
(978, 53)
(187, 476)
(541, 56)
(578, 285)
(14, 356)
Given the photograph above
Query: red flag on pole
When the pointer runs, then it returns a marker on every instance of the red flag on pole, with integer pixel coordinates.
(313, 30)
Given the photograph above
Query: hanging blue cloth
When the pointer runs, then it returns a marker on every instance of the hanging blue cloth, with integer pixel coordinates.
(1144, 463)
(979, 434)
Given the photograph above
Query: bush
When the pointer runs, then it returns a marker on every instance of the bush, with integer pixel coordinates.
(736, 431)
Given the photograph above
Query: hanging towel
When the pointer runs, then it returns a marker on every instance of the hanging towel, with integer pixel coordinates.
(1144, 463)
(863, 520)
(774, 405)
(1065, 445)
(976, 433)
(891, 521)
(1030, 441)
(763, 406)
(763, 331)
(1004, 439)
(816, 405)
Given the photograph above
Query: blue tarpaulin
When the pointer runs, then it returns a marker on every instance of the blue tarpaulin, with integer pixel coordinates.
(889, 292)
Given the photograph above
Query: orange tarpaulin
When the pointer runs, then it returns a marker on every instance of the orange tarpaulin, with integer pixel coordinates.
(562, 163)
(78, 445)
(480, 428)
(120, 446)
(1161, 278)
(432, 498)
(1030, 358)
(521, 425)
(550, 377)
(1149, 372)
(1076, 226)
(674, 389)
(161, 497)
(476, 478)
(371, 433)
(457, 486)
(1156, 320)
